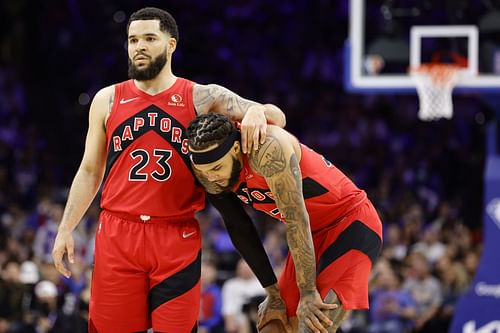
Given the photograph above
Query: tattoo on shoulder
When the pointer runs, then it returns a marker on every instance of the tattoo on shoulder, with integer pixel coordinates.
(110, 102)
(295, 168)
(203, 97)
(269, 159)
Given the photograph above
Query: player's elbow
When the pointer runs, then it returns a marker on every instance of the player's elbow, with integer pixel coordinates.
(275, 115)
(91, 171)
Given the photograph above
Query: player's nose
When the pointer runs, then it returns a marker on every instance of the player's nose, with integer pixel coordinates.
(140, 45)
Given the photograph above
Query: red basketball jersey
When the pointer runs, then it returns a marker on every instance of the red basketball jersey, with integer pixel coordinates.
(329, 194)
(148, 169)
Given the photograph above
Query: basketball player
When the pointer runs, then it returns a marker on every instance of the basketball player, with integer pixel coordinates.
(147, 255)
(333, 231)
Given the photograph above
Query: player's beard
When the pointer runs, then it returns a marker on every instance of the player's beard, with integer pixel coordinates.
(235, 176)
(150, 72)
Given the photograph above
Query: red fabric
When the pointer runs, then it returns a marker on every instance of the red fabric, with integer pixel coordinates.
(133, 112)
(342, 197)
(131, 257)
(347, 276)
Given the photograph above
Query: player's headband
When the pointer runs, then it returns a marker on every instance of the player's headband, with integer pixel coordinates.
(217, 153)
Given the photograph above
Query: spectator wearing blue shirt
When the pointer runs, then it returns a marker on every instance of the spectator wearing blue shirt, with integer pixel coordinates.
(392, 309)
(210, 320)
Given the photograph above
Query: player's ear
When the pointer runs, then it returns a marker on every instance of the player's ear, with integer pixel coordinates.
(172, 44)
(237, 147)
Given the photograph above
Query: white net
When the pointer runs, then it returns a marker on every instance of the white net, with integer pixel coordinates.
(435, 83)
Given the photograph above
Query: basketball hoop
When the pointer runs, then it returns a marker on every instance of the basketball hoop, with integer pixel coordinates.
(435, 83)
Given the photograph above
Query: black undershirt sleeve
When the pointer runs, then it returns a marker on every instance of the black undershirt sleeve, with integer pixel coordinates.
(244, 235)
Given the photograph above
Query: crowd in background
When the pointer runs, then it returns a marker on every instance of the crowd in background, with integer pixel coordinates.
(425, 179)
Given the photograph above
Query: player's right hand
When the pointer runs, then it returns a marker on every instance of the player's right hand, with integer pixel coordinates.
(63, 243)
(253, 128)
(310, 313)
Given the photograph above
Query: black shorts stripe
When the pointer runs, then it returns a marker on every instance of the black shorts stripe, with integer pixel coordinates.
(175, 285)
(356, 236)
(195, 328)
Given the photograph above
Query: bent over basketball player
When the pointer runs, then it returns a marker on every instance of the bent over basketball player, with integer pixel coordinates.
(333, 231)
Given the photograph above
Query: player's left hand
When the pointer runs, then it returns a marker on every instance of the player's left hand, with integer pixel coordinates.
(310, 313)
(272, 308)
(253, 128)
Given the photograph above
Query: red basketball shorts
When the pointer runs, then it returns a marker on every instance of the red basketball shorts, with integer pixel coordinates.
(146, 274)
(345, 253)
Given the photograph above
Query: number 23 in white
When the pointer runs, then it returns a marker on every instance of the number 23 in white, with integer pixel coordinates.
(142, 157)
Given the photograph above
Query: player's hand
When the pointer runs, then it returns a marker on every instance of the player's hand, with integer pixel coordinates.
(310, 313)
(63, 243)
(272, 308)
(253, 128)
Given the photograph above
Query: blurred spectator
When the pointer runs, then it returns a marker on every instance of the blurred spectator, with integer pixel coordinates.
(412, 224)
(430, 245)
(11, 292)
(392, 309)
(425, 290)
(236, 292)
(275, 245)
(394, 246)
(77, 282)
(250, 310)
(46, 311)
(210, 320)
(29, 273)
(46, 234)
(454, 282)
(471, 262)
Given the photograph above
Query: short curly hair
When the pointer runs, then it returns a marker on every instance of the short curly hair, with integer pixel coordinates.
(167, 21)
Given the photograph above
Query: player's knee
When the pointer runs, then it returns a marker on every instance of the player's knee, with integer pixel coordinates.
(273, 326)
(336, 315)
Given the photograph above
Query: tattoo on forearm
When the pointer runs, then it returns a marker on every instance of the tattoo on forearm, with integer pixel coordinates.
(205, 98)
(298, 230)
(285, 180)
(276, 303)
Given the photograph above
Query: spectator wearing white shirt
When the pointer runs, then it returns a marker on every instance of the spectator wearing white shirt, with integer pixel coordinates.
(237, 291)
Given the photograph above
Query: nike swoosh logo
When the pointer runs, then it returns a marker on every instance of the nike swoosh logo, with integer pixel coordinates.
(188, 234)
(125, 101)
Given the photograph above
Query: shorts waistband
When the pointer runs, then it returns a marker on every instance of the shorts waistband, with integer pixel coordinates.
(150, 219)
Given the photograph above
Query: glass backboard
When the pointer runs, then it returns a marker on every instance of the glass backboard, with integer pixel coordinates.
(388, 37)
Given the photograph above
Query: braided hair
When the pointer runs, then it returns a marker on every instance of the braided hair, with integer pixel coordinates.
(209, 129)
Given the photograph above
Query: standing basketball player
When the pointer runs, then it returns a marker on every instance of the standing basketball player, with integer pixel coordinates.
(333, 231)
(147, 255)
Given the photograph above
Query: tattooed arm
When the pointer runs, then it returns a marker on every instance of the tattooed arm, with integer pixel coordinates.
(252, 115)
(215, 98)
(278, 161)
